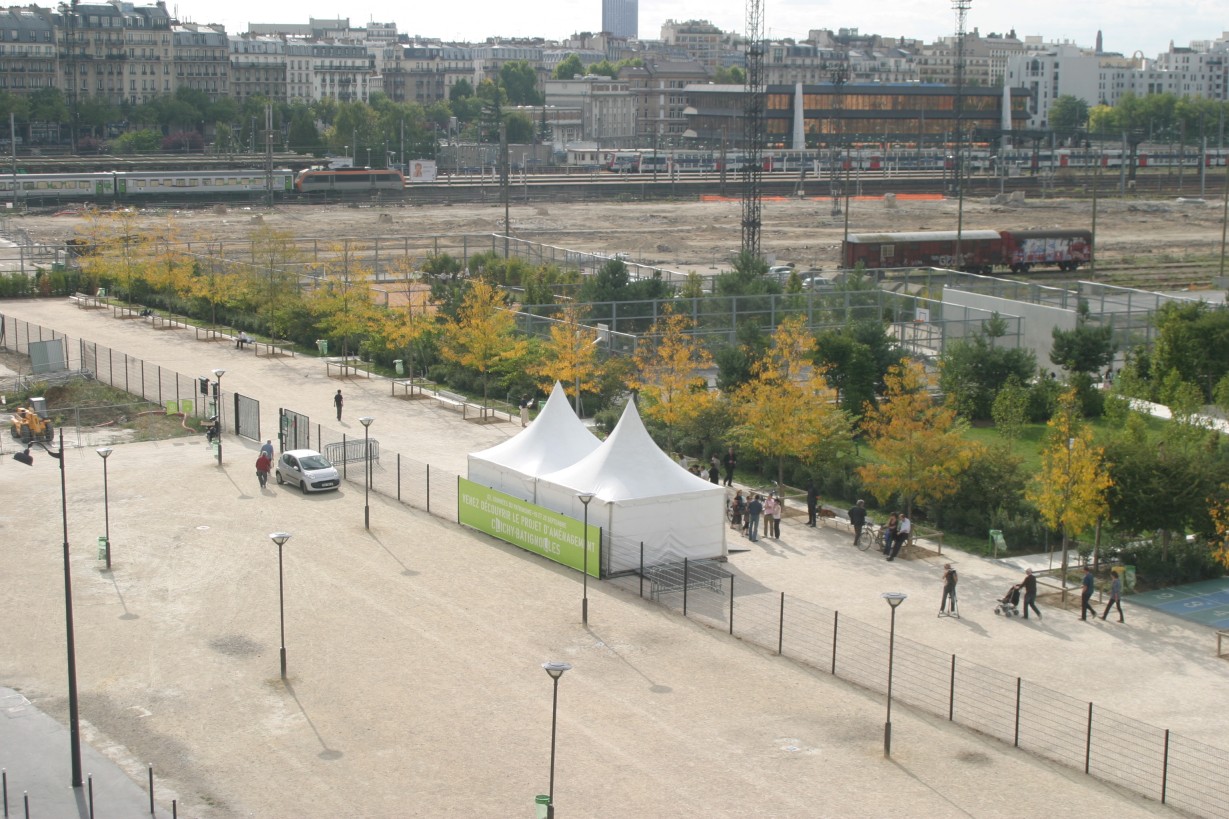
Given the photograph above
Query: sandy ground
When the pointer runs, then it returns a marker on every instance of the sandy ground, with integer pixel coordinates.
(703, 235)
(414, 684)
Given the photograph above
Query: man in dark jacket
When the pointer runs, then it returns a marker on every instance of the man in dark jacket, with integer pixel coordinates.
(812, 502)
(1030, 593)
(857, 516)
(730, 461)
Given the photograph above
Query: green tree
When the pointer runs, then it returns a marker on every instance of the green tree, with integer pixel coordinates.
(520, 83)
(857, 356)
(1086, 348)
(342, 300)
(1010, 409)
(1068, 114)
(1193, 341)
(919, 446)
(460, 90)
(729, 75)
(603, 69)
(973, 369)
(569, 67)
(521, 130)
(668, 375)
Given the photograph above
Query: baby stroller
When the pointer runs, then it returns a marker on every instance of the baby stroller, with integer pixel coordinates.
(1009, 606)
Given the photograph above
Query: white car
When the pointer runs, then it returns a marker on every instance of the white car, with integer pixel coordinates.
(308, 470)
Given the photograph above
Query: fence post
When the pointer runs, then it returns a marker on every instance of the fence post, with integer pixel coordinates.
(398, 476)
(836, 618)
(642, 570)
(429, 488)
(732, 606)
(951, 692)
(686, 567)
(1165, 769)
(781, 626)
(345, 453)
(1016, 740)
(1088, 740)
(126, 384)
(151, 790)
(142, 379)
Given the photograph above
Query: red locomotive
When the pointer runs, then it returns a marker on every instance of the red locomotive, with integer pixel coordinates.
(981, 251)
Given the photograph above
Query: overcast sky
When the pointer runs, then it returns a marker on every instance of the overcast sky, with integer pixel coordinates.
(1128, 25)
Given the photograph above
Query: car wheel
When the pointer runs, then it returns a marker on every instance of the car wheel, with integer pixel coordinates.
(303, 486)
(278, 476)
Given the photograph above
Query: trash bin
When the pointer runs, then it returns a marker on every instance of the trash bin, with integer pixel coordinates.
(102, 547)
(542, 803)
(997, 541)
(322, 344)
(1128, 578)
(399, 366)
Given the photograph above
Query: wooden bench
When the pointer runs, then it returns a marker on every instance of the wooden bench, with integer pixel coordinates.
(407, 388)
(166, 323)
(120, 311)
(344, 369)
(672, 577)
(269, 348)
(209, 334)
(86, 301)
(451, 401)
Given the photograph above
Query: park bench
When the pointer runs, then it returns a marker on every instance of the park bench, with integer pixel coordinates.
(672, 577)
(86, 302)
(343, 368)
(209, 334)
(269, 348)
(121, 311)
(166, 323)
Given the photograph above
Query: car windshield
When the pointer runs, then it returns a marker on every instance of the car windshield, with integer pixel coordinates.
(314, 462)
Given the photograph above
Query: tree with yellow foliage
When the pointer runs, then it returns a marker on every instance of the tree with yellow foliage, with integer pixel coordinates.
(165, 265)
(918, 445)
(667, 374)
(272, 279)
(414, 319)
(1071, 490)
(342, 301)
(787, 409)
(1218, 511)
(115, 239)
(570, 356)
(483, 335)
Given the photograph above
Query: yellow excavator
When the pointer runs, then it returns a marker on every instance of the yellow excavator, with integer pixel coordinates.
(30, 423)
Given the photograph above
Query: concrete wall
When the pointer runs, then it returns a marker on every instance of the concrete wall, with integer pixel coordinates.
(1037, 321)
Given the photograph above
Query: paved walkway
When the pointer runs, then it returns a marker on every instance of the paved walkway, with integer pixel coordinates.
(414, 647)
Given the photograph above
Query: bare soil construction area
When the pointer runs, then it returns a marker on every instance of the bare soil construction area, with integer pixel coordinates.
(1138, 233)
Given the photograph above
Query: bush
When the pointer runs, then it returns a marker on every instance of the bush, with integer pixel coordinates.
(183, 141)
(137, 142)
(1183, 562)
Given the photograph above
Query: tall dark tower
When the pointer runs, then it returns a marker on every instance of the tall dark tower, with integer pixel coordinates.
(621, 18)
(1099, 42)
(962, 14)
(753, 121)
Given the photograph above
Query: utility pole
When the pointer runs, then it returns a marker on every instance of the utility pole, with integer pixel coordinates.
(962, 12)
(269, 154)
(753, 101)
(503, 180)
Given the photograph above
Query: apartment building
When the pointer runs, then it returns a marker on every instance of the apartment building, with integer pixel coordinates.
(606, 107)
(28, 52)
(201, 57)
(342, 72)
(258, 67)
(660, 92)
(698, 40)
(116, 51)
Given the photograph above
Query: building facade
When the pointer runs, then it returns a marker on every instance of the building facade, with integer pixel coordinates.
(696, 40)
(621, 18)
(660, 92)
(202, 59)
(606, 109)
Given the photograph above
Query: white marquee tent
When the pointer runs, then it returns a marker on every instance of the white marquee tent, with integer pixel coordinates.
(640, 495)
(554, 440)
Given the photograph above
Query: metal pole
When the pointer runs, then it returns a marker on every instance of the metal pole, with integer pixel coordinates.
(106, 511)
(584, 603)
(554, 713)
(74, 723)
(366, 474)
(281, 607)
(221, 425)
(887, 725)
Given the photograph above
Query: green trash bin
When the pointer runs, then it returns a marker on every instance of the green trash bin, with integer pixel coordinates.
(542, 803)
(399, 366)
(322, 344)
(102, 547)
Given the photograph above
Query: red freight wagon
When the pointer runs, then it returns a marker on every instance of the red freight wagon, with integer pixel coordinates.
(1066, 249)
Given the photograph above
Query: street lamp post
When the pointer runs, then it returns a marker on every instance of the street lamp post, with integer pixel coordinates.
(894, 599)
(556, 671)
(217, 397)
(74, 721)
(366, 421)
(585, 497)
(280, 539)
(105, 452)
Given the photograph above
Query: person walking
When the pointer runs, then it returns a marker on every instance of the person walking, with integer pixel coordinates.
(857, 518)
(1086, 595)
(337, 402)
(812, 502)
(1030, 593)
(754, 509)
(730, 462)
(1115, 598)
(714, 475)
(263, 463)
(903, 528)
(949, 590)
(267, 449)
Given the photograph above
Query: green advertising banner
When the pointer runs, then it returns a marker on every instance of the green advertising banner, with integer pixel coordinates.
(550, 534)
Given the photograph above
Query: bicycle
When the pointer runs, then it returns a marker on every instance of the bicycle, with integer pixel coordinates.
(870, 533)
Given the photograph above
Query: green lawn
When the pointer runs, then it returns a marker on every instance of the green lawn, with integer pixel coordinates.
(1032, 439)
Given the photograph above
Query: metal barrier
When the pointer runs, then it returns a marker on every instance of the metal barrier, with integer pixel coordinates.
(349, 451)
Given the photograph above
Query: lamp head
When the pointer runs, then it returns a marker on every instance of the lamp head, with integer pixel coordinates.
(219, 373)
(585, 497)
(894, 598)
(24, 457)
(556, 669)
(366, 420)
(104, 452)
(280, 538)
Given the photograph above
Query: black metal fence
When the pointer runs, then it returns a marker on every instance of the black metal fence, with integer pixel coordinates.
(1150, 761)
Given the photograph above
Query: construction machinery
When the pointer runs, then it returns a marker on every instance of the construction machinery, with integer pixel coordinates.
(31, 423)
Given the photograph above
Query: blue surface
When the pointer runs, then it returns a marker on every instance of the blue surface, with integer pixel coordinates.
(1205, 602)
